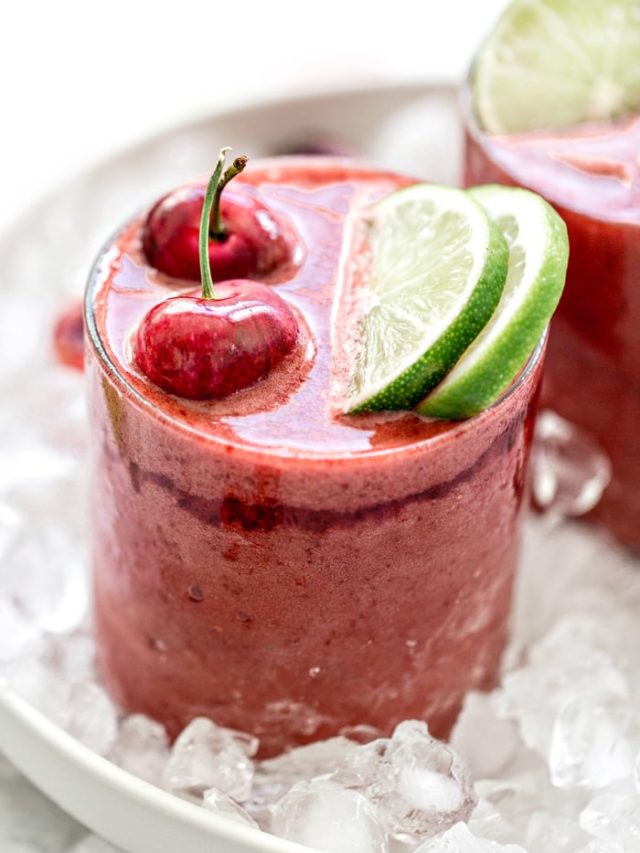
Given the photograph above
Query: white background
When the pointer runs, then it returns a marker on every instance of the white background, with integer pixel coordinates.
(81, 80)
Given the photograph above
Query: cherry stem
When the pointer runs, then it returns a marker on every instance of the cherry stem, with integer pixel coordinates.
(205, 265)
(218, 231)
(211, 224)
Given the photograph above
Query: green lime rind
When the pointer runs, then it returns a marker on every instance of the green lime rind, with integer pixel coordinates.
(539, 252)
(556, 63)
(456, 257)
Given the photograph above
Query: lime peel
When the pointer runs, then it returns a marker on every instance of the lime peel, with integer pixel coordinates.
(539, 252)
(439, 266)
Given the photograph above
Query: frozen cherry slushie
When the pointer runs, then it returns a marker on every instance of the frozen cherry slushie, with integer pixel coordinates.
(268, 562)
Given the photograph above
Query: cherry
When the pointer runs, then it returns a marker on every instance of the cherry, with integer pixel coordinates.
(68, 336)
(210, 345)
(246, 240)
(208, 348)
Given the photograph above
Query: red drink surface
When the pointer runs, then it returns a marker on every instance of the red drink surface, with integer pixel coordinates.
(591, 174)
(266, 562)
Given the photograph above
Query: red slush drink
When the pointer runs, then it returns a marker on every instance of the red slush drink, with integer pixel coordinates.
(591, 175)
(266, 562)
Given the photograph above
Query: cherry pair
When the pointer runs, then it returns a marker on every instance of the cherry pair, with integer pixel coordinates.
(210, 344)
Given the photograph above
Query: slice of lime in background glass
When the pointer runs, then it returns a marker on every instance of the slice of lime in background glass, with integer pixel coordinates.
(438, 268)
(538, 256)
(556, 63)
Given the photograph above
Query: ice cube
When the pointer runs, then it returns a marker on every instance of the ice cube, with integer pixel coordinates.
(70, 657)
(274, 776)
(91, 717)
(523, 787)
(325, 816)
(569, 471)
(58, 678)
(485, 755)
(594, 741)
(305, 762)
(23, 327)
(209, 756)
(503, 810)
(535, 694)
(549, 832)
(38, 685)
(221, 804)
(44, 577)
(28, 460)
(568, 573)
(263, 795)
(18, 635)
(460, 839)
(614, 816)
(421, 785)
(488, 821)
(141, 748)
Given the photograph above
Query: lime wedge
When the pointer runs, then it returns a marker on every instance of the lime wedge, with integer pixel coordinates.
(438, 267)
(556, 63)
(538, 255)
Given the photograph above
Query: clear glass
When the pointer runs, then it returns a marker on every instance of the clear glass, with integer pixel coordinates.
(296, 595)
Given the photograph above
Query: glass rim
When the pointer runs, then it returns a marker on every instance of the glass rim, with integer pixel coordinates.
(116, 375)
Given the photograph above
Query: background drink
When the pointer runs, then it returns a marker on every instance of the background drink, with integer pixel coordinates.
(590, 175)
(280, 569)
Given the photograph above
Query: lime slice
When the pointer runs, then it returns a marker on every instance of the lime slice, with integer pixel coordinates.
(438, 267)
(538, 255)
(555, 63)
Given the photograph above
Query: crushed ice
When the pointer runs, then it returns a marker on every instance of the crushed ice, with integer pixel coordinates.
(547, 763)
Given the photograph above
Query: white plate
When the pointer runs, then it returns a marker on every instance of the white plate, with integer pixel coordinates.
(413, 128)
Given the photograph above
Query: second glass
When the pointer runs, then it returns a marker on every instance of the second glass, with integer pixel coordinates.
(592, 378)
